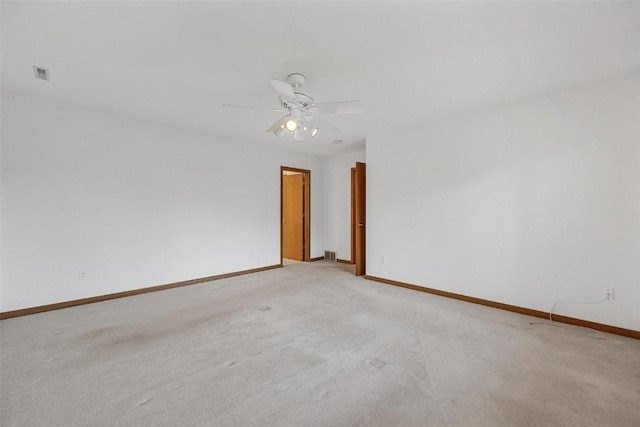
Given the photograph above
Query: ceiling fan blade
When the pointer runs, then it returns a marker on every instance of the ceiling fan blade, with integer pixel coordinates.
(325, 126)
(249, 107)
(340, 107)
(284, 89)
(277, 125)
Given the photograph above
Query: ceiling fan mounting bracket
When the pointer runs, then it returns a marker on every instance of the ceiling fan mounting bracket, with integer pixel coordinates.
(296, 80)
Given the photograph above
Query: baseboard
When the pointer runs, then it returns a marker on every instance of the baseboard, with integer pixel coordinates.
(344, 261)
(319, 258)
(99, 298)
(522, 310)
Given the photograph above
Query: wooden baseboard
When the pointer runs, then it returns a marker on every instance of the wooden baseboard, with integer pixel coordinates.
(344, 261)
(99, 298)
(522, 310)
(319, 258)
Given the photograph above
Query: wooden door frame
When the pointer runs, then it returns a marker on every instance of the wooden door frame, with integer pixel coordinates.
(353, 215)
(306, 221)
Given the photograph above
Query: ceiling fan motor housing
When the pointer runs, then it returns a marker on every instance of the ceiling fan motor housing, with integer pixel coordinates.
(304, 101)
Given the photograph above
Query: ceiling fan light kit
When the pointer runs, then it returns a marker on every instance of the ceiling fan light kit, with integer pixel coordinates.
(292, 125)
(301, 108)
(279, 132)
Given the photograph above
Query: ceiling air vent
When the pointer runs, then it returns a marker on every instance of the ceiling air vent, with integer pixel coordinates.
(41, 73)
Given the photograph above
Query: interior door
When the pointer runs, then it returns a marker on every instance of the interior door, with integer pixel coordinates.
(293, 216)
(360, 216)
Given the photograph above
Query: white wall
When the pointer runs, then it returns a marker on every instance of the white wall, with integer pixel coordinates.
(337, 202)
(132, 203)
(527, 203)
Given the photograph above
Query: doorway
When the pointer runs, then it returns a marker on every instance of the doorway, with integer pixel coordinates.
(295, 217)
(358, 216)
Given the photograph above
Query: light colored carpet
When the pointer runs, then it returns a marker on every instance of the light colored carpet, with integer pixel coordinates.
(309, 344)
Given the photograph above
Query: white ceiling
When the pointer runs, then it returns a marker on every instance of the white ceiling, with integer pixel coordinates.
(408, 62)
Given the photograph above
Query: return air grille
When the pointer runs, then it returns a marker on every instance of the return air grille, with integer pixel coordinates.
(329, 255)
(41, 73)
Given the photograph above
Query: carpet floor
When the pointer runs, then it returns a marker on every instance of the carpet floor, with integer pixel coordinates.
(309, 345)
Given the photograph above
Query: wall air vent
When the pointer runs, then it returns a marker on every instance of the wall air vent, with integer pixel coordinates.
(329, 255)
(41, 73)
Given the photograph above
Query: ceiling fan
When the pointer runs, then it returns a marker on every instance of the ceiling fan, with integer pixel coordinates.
(301, 109)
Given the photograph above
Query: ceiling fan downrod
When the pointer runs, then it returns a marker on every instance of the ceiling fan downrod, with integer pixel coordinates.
(296, 80)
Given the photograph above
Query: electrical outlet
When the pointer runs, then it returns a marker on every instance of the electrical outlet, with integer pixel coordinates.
(607, 293)
(382, 260)
(82, 275)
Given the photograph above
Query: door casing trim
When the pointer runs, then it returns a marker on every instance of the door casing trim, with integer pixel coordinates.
(306, 255)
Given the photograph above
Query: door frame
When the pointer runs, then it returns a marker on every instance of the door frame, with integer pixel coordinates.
(306, 220)
(360, 223)
(353, 215)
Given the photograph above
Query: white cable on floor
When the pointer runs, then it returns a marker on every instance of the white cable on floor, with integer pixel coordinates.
(600, 334)
(571, 302)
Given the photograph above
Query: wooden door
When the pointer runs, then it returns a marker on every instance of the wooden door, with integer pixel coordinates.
(293, 216)
(360, 217)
